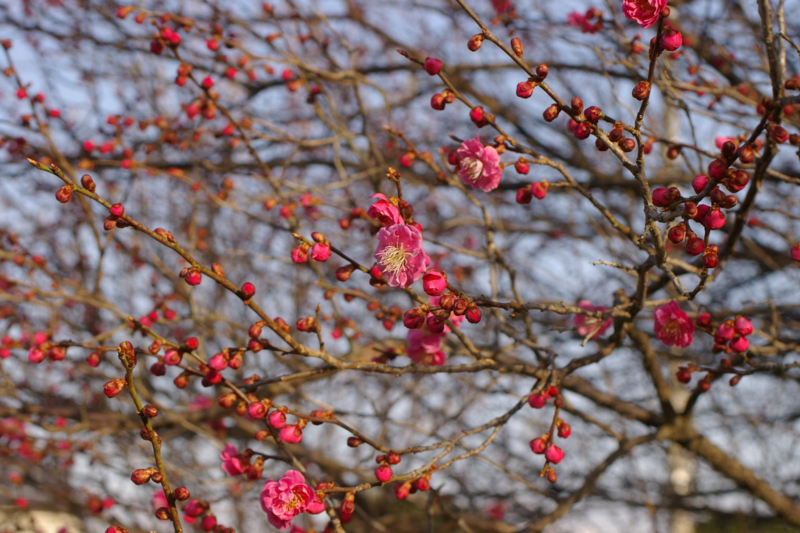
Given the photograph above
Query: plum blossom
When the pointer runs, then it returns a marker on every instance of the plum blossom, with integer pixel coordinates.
(159, 500)
(283, 500)
(587, 325)
(424, 347)
(232, 463)
(580, 20)
(645, 12)
(479, 165)
(385, 211)
(400, 257)
(672, 326)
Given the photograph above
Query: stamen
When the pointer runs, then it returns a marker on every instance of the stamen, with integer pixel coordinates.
(393, 259)
(473, 167)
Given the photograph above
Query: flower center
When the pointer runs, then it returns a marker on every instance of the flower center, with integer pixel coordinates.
(473, 167)
(290, 506)
(393, 259)
(672, 329)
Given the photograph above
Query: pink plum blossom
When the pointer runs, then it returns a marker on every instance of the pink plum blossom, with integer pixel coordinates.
(672, 326)
(580, 20)
(159, 500)
(283, 500)
(232, 462)
(385, 212)
(400, 257)
(645, 12)
(424, 347)
(479, 165)
(586, 324)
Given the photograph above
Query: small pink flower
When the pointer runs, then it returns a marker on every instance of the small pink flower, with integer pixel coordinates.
(283, 500)
(200, 403)
(645, 12)
(424, 347)
(385, 212)
(586, 325)
(400, 257)
(159, 500)
(672, 326)
(479, 165)
(232, 462)
(579, 20)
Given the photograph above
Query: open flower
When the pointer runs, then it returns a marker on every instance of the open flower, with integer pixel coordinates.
(479, 165)
(283, 500)
(587, 325)
(645, 12)
(385, 211)
(232, 463)
(400, 257)
(672, 326)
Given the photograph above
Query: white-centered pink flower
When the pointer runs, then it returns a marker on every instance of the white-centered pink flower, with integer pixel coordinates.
(672, 325)
(479, 165)
(283, 500)
(399, 256)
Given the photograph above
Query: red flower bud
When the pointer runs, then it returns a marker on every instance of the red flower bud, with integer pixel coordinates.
(516, 46)
(551, 113)
(248, 290)
(593, 114)
(743, 326)
(694, 246)
(642, 90)
(577, 105)
(537, 401)
(437, 102)
(114, 387)
(539, 189)
(676, 234)
(582, 131)
(699, 183)
(475, 42)
(671, 39)
(473, 313)
(739, 344)
(434, 282)
(140, 476)
(64, 194)
(432, 66)
(525, 89)
(116, 210)
(554, 454)
(538, 445)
